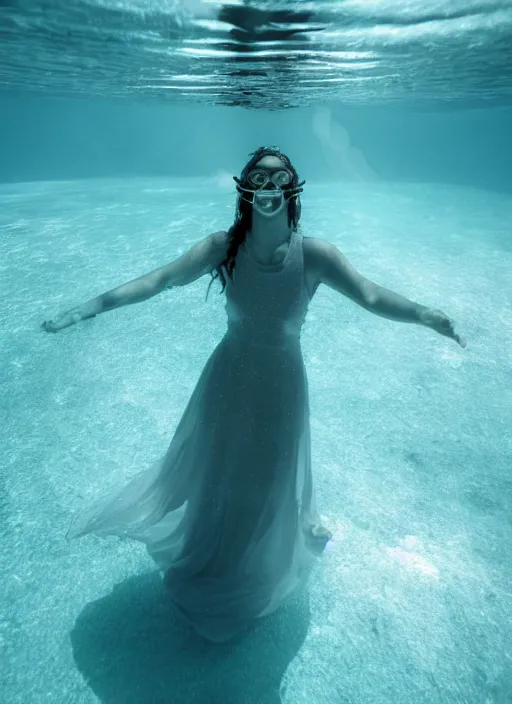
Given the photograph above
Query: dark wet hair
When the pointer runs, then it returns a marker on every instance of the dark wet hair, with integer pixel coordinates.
(237, 233)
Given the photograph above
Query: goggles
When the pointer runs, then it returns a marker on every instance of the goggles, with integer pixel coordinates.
(268, 201)
(260, 178)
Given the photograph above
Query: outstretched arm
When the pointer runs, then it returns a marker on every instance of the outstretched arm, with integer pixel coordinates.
(334, 270)
(200, 259)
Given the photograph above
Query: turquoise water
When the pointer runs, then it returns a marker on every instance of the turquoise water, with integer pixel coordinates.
(411, 434)
(269, 54)
(411, 449)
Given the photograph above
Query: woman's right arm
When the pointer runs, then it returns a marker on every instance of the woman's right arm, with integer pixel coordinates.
(202, 258)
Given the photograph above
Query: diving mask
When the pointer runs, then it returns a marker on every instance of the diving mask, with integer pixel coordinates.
(270, 190)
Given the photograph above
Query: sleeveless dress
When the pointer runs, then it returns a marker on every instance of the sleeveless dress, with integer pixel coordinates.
(228, 513)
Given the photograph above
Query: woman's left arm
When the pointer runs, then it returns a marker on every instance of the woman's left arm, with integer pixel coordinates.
(335, 271)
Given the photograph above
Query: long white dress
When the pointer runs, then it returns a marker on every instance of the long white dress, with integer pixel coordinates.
(229, 512)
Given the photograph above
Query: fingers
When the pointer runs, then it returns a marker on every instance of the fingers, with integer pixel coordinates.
(447, 327)
(455, 336)
(460, 340)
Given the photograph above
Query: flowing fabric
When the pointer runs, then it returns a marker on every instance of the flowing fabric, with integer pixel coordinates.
(228, 513)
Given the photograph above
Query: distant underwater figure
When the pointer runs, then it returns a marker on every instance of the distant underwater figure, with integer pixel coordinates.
(229, 512)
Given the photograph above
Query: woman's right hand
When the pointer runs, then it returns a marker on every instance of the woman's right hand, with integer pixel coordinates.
(442, 324)
(63, 321)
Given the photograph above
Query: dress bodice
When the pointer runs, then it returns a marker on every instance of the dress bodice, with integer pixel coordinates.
(267, 304)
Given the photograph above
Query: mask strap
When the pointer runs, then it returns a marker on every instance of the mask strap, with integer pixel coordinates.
(287, 192)
(240, 188)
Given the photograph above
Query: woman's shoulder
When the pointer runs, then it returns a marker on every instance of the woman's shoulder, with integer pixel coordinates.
(220, 238)
(316, 244)
(315, 250)
(220, 242)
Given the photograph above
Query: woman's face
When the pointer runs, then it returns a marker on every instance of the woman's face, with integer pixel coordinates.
(266, 180)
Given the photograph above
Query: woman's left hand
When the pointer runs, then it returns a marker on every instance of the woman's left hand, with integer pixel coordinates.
(441, 323)
(63, 321)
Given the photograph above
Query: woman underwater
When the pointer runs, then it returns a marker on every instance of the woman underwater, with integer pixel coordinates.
(229, 512)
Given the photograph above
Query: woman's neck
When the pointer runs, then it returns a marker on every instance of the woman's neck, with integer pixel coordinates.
(266, 235)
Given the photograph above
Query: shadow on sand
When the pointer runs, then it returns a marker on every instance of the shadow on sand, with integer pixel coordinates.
(131, 648)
